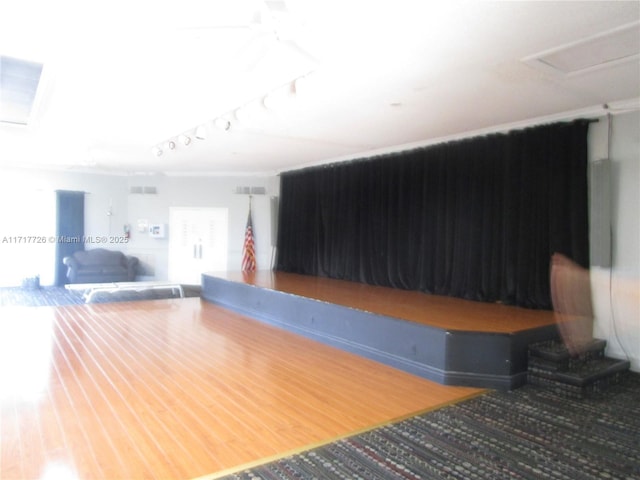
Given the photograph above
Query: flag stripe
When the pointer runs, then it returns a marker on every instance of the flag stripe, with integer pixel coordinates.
(248, 249)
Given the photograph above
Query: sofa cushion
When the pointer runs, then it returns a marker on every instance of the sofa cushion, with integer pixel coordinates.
(113, 270)
(91, 270)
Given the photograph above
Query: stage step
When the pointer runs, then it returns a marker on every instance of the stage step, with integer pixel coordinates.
(551, 365)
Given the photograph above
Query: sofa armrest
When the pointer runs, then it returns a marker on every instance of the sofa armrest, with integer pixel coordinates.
(131, 264)
(70, 262)
(72, 268)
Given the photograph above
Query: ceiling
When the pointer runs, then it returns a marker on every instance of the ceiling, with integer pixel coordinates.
(122, 79)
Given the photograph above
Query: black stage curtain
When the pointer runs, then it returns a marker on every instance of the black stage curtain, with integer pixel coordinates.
(69, 229)
(477, 219)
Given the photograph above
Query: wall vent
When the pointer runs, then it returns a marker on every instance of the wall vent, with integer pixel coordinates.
(143, 190)
(246, 190)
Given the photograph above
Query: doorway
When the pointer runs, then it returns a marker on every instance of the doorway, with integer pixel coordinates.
(197, 242)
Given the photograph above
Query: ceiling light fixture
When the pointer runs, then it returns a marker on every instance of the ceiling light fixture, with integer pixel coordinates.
(241, 114)
(201, 132)
(269, 101)
(300, 85)
(245, 113)
(157, 151)
(222, 124)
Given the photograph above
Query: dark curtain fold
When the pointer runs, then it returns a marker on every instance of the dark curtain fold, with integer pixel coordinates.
(69, 229)
(476, 219)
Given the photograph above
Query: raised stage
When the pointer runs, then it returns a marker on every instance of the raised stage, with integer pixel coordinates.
(447, 340)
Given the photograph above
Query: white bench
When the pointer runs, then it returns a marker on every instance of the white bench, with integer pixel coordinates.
(91, 289)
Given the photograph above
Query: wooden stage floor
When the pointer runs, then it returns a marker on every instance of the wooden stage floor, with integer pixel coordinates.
(433, 310)
(179, 389)
(448, 340)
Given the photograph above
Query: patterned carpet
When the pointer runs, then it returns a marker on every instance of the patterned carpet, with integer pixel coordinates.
(38, 297)
(529, 433)
(52, 296)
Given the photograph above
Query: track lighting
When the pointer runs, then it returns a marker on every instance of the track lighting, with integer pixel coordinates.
(241, 115)
(222, 124)
(300, 85)
(255, 110)
(201, 132)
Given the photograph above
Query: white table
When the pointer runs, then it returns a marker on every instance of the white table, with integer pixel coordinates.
(91, 289)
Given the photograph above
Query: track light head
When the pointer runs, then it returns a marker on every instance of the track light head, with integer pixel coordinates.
(201, 132)
(222, 124)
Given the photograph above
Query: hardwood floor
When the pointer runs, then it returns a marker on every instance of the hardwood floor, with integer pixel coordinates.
(178, 389)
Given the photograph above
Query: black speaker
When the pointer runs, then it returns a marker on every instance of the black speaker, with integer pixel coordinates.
(601, 230)
(274, 221)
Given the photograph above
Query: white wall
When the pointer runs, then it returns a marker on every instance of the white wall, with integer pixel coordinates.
(110, 194)
(27, 199)
(616, 290)
(218, 192)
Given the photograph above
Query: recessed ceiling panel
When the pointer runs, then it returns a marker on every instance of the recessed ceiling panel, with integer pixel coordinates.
(19, 81)
(599, 51)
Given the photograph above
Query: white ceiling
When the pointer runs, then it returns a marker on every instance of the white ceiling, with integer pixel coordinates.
(121, 77)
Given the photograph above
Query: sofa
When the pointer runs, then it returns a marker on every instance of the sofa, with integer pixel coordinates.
(100, 266)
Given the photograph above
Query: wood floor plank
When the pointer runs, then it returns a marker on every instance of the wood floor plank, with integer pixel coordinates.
(179, 389)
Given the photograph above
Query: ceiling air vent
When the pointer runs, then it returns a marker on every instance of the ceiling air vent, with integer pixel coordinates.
(604, 50)
(19, 82)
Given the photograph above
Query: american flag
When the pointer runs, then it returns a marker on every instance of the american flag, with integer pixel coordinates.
(248, 249)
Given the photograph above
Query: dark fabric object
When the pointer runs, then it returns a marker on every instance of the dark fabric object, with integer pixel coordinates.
(530, 433)
(38, 297)
(57, 296)
(69, 229)
(100, 265)
(477, 219)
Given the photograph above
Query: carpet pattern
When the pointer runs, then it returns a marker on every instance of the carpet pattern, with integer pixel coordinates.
(56, 296)
(38, 297)
(529, 433)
